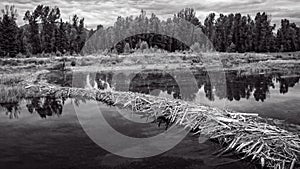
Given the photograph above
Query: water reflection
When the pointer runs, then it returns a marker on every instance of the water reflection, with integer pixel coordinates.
(12, 109)
(238, 85)
(46, 107)
(287, 82)
(242, 87)
(34, 143)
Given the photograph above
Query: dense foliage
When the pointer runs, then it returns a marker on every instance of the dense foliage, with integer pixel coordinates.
(46, 33)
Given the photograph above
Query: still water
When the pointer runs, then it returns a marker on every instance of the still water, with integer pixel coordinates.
(272, 94)
(46, 133)
(56, 140)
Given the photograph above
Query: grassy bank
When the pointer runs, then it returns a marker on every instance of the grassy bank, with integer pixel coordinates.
(225, 60)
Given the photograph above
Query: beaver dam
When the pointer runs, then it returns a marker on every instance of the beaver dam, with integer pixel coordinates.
(249, 136)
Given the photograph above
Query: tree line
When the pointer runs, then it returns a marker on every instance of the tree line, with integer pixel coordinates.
(238, 33)
(46, 33)
(223, 33)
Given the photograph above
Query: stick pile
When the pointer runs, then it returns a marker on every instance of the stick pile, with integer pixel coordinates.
(248, 135)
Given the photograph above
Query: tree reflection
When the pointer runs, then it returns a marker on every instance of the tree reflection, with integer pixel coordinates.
(262, 85)
(286, 82)
(46, 107)
(238, 86)
(12, 109)
(156, 81)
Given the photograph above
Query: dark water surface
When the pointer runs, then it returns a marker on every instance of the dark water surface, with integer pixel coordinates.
(57, 140)
(46, 133)
(272, 94)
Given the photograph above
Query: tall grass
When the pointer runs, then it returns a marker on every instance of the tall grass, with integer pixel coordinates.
(13, 79)
(10, 94)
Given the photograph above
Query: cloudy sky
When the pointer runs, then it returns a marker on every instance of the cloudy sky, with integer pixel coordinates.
(105, 12)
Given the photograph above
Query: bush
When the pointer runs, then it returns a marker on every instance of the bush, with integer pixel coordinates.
(73, 63)
(45, 55)
(41, 62)
(11, 62)
(86, 63)
(59, 66)
(127, 48)
(20, 55)
(196, 47)
(114, 51)
(144, 46)
(231, 48)
(58, 53)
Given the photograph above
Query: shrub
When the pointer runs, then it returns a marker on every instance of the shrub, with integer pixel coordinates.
(58, 53)
(196, 47)
(86, 63)
(73, 63)
(231, 48)
(11, 62)
(152, 50)
(45, 55)
(41, 62)
(20, 55)
(144, 45)
(127, 48)
(114, 51)
(59, 66)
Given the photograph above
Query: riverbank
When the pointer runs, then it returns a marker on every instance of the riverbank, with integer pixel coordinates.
(211, 60)
(246, 134)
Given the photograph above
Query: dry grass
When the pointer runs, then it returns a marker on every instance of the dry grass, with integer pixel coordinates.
(13, 79)
(11, 93)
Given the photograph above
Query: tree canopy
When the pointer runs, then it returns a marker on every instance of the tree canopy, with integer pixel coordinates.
(45, 32)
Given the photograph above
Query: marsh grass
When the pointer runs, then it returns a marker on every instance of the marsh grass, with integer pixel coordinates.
(13, 79)
(10, 94)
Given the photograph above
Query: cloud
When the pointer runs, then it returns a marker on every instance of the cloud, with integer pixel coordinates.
(105, 12)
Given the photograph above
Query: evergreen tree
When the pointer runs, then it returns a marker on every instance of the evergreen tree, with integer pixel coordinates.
(34, 32)
(21, 41)
(81, 35)
(264, 37)
(49, 19)
(61, 41)
(221, 36)
(288, 36)
(127, 48)
(9, 32)
(209, 29)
